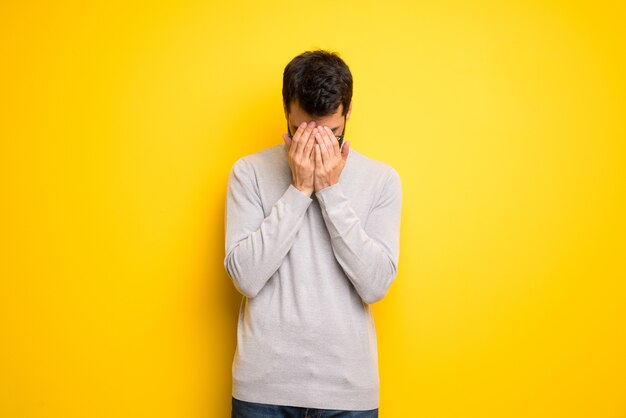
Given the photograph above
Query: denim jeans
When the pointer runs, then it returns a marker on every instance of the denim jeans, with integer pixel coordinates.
(244, 409)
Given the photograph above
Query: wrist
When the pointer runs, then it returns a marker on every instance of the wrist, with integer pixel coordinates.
(306, 190)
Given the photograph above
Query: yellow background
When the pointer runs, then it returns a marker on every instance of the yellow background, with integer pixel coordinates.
(506, 121)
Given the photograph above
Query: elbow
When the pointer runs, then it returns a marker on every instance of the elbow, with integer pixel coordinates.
(243, 281)
(371, 298)
(244, 287)
(375, 295)
(382, 284)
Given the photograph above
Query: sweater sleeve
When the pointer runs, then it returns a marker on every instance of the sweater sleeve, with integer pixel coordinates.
(369, 253)
(256, 245)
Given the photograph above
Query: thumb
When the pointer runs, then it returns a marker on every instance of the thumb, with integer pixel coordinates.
(345, 149)
(287, 140)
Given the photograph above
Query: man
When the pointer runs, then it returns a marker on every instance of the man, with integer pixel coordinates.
(312, 240)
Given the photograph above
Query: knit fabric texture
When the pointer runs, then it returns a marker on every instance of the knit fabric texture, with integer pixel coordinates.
(308, 270)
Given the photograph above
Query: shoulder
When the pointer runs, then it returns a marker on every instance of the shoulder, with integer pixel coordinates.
(375, 178)
(258, 161)
(267, 158)
(374, 170)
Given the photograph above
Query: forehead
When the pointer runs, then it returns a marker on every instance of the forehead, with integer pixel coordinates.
(297, 116)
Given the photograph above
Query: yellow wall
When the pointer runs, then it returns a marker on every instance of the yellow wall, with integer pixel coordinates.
(119, 124)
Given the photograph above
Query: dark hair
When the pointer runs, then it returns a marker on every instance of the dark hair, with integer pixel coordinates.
(319, 81)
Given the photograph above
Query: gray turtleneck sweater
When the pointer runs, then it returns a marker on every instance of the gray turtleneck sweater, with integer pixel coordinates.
(308, 269)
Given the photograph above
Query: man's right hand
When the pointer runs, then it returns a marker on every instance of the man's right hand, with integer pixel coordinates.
(302, 157)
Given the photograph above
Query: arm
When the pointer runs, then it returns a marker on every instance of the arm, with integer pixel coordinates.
(369, 254)
(256, 245)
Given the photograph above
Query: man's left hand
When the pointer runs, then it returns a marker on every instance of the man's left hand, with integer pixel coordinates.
(329, 159)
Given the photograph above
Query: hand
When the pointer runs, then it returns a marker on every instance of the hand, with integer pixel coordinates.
(301, 157)
(329, 159)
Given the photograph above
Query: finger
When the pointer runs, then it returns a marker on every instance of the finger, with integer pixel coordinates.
(287, 140)
(308, 148)
(323, 150)
(304, 138)
(324, 135)
(296, 139)
(345, 149)
(299, 130)
(335, 143)
(328, 134)
(318, 157)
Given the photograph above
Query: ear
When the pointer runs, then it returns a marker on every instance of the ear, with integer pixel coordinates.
(349, 110)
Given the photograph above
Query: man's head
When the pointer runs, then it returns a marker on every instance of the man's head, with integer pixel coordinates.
(317, 86)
